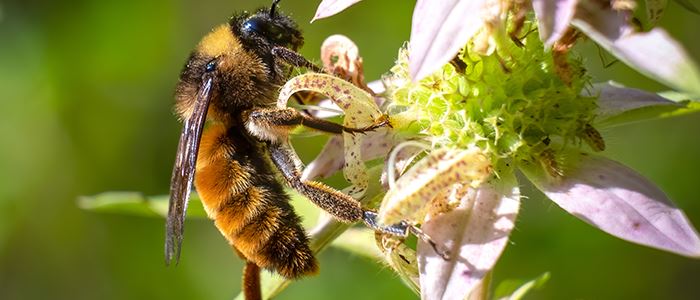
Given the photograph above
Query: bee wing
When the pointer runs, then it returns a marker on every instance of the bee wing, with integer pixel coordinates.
(183, 171)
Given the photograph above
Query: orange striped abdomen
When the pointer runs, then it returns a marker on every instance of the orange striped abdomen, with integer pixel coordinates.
(241, 194)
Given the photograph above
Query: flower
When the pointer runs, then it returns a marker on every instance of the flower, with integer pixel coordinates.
(441, 28)
(505, 104)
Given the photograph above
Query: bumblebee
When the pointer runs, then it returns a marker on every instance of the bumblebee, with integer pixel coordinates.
(231, 81)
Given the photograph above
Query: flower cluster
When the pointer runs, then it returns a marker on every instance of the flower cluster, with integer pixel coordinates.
(511, 103)
(484, 91)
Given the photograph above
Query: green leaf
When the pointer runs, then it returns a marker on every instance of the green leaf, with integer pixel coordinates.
(688, 5)
(360, 241)
(651, 112)
(619, 105)
(515, 289)
(135, 203)
(653, 53)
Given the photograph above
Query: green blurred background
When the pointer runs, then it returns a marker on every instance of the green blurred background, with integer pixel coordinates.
(85, 102)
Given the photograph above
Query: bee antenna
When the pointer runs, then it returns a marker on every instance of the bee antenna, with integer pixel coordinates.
(273, 7)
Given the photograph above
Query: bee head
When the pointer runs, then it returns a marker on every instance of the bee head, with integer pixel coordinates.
(267, 28)
(238, 58)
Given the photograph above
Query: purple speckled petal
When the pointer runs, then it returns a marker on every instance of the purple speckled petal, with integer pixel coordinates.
(328, 8)
(614, 99)
(553, 18)
(326, 108)
(439, 29)
(602, 24)
(360, 111)
(410, 198)
(619, 201)
(654, 53)
(475, 233)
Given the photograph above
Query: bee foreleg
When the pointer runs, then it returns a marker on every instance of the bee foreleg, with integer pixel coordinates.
(273, 124)
(294, 59)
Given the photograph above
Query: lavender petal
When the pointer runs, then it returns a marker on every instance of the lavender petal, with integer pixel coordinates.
(619, 201)
(439, 29)
(615, 100)
(475, 233)
(553, 18)
(654, 53)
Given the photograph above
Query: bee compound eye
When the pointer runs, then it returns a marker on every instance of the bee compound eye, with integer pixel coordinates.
(252, 25)
(211, 66)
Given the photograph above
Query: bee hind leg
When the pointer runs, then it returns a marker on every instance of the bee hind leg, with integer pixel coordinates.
(341, 206)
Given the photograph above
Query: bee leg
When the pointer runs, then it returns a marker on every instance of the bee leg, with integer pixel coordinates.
(272, 124)
(251, 281)
(400, 229)
(325, 125)
(317, 124)
(341, 206)
(294, 59)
